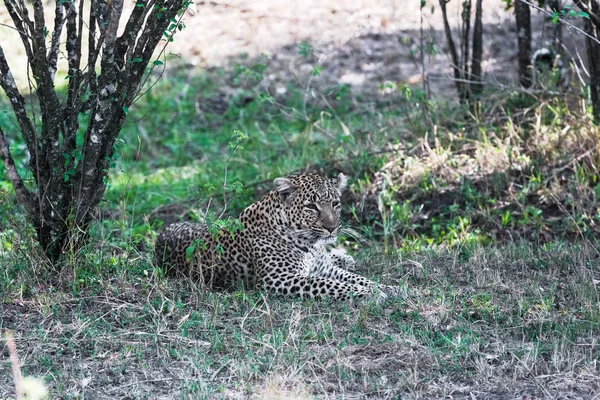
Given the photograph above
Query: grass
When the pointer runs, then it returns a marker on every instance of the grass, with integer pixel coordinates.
(488, 220)
(518, 321)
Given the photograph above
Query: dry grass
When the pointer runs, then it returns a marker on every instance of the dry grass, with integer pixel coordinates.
(498, 323)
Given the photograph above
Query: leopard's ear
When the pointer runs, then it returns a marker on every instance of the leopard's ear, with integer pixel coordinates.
(340, 182)
(284, 187)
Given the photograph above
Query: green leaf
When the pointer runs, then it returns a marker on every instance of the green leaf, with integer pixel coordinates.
(305, 49)
(136, 60)
(125, 109)
(597, 191)
(157, 62)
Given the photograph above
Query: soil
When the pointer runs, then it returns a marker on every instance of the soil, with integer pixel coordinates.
(357, 42)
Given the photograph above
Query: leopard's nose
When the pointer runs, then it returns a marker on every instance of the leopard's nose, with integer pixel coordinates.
(329, 221)
(330, 226)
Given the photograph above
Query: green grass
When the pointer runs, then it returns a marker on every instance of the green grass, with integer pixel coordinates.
(446, 204)
(516, 321)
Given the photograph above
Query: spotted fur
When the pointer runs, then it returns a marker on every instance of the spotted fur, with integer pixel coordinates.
(282, 246)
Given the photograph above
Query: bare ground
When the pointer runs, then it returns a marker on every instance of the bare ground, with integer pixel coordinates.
(358, 42)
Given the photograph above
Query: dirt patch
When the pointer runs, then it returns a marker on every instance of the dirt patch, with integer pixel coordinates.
(357, 42)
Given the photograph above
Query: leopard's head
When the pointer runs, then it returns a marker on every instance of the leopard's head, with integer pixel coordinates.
(312, 204)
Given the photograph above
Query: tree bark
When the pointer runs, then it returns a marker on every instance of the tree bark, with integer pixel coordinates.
(523, 19)
(459, 77)
(592, 27)
(476, 75)
(70, 179)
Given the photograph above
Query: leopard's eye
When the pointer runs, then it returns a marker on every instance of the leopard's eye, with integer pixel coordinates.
(335, 203)
(311, 207)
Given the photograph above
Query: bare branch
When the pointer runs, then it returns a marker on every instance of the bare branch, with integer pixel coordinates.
(17, 102)
(74, 187)
(93, 52)
(136, 19)
(104, 122)
(108, 75)
(23, 195)
(460, 87)
(49, 104)
(39, 34)
(21, 26)
(147, 42)
(59, 19)
(71, 111)
(593, 53)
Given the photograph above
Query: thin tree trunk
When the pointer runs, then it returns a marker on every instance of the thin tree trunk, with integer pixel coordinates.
(523, 19)
(465, 48)
(592, 27)
(476, 77)
(593, 52)
(459, 78)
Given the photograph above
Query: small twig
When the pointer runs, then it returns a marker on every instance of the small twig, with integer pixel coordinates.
(13, 28)
(573, 161)
(214, 375)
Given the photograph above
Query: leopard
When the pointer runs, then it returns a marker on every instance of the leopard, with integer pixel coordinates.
(284, 246)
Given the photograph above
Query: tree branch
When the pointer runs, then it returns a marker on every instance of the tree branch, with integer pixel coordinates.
(59, 19)
(23, 195)
(136, 19)
(101, 127)
(21, 26)
(71, 110)
(49, 104)
(39, 39)
(593, 16)
(17, 102)
(456, 66)
(89, 78)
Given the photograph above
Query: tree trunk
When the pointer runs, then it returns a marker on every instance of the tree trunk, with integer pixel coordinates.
(592, 28)
(459, 76)
(70, 178)
(476, 78)
(523, 19)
